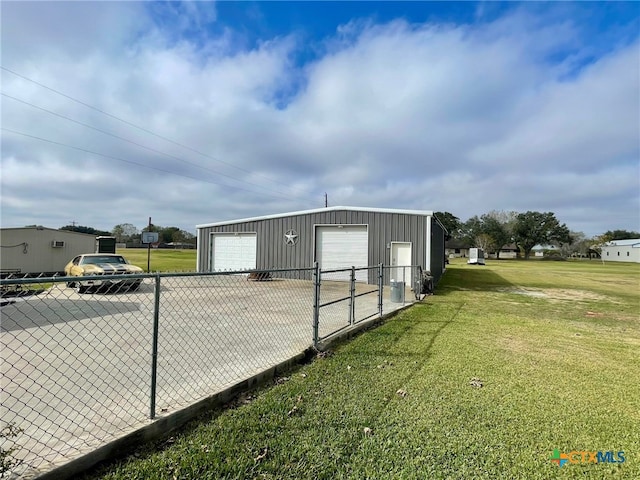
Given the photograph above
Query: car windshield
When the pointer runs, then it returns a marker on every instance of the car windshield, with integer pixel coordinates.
(106, 259)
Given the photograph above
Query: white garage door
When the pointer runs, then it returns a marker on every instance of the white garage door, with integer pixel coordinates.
(233, 251)
(343, 247)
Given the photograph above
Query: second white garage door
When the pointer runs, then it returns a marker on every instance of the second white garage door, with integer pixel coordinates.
(343, 247)
(233, 251)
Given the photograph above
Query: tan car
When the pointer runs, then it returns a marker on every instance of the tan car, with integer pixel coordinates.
(91, 264)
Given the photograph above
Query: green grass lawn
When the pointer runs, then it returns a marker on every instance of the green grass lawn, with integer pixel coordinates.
(161, 259)
(555, 346)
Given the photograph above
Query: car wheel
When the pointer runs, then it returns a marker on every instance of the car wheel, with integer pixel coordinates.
(80, 288)
(134, 286)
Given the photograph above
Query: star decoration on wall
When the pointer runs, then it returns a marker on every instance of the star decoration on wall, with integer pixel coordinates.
(291, 237)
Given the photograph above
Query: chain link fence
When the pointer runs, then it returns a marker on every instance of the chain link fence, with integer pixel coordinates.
(81, 369)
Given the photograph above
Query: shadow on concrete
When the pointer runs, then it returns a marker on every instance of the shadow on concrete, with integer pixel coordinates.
(26, 314)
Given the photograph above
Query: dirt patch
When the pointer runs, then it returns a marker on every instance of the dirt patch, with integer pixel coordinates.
(514, 344)
(562, 349)
(631, 341)
(575, 295)
(523, 291)
(634, 319)
(557, 294)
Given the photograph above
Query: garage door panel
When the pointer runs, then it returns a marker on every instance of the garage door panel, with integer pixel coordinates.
(232, 252)
(343, 247)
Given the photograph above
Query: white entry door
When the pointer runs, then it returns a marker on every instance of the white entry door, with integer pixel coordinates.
(401, 256)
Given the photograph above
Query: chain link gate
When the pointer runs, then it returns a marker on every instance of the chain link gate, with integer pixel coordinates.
(81, 369)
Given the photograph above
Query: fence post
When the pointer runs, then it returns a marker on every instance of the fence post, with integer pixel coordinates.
(316, 303)
(154, 349)
(380, 287)
(352, 296)
(404, 284)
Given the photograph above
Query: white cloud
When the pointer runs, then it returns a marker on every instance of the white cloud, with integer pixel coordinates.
(580, 123)
(466, 119)
(38, 32)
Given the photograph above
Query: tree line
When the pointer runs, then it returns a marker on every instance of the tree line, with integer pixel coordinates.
(494, 230)
(491, 231)
(129, 233)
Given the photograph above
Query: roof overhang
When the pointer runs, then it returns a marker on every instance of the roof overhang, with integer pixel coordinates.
(426, 213)
(40, 228)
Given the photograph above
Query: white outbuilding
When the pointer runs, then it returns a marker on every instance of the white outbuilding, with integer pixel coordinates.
(622, 251)
(41, 250)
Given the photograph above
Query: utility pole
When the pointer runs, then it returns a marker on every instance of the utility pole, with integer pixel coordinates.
(326, 200)
(149, 250)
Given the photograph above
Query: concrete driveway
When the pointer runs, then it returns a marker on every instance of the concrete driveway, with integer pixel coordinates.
(76, 368)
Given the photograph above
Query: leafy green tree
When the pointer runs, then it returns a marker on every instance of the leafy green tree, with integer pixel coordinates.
(621, 235)
(599, 241)
(83, 229)
(182, 236)
(499, 227)
(450, 222)
(171, 234)
(474, 232)
(471, 230)
(151, 228)
(167, 233)
(532, 228)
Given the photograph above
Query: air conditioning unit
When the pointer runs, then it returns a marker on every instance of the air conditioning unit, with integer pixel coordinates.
(57, 243)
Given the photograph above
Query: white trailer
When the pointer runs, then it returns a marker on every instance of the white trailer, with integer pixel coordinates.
(40, 249)
(476, 256)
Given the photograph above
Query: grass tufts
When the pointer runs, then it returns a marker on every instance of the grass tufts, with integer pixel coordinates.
(503, 365)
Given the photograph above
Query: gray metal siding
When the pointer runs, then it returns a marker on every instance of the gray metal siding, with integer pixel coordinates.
(437, 250)
(272, 252)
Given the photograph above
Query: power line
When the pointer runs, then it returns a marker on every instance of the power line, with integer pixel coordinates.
(136, 163)
(131, 141)
(139, 127)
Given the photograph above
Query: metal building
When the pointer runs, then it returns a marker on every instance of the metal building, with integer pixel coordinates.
(622, 250)
(335, 237)
(40, 249)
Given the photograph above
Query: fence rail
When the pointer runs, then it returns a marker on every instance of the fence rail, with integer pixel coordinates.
(81, 369)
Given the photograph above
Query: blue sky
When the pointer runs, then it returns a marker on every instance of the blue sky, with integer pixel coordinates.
(603, 25)
(198, 112)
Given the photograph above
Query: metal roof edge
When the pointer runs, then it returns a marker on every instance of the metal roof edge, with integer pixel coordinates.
(317, 210)
(627, 242)
(41, 228)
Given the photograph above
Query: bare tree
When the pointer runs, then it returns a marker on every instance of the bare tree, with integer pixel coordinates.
(124, 231)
